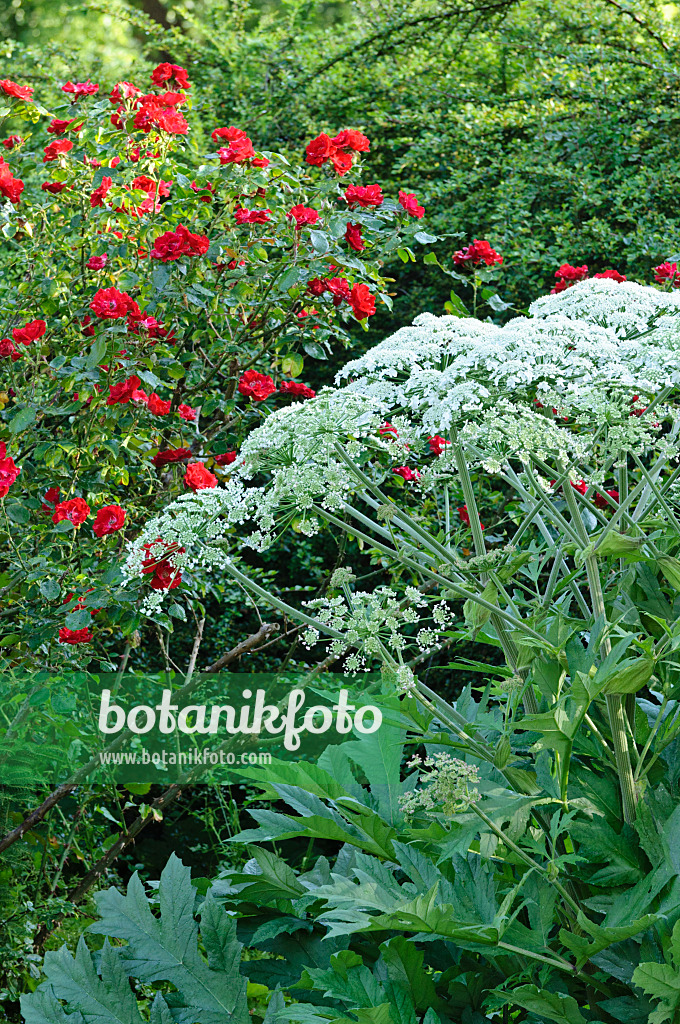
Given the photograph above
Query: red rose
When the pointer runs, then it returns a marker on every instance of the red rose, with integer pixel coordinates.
(172, 122)
(157, 405)
(294, 387)
(11, 141)
(198, 478)
(407, 473)
(86, 325)
(206, 186)
(387, 428)
(78, 89)
(353, 237)
(317, 286)
(110, 304)
(170, 456)
(181, 242)
(146, 184)
(665, 272)
(437, 444)
(479, 252)
(225, 459)
(56, 149)
(99, 195)
(339, 289)
(60, 127)
(319, 150)
(50, 499)
(153, 328)
(601, 501)
(55, 187)
(303, 215)
(410, 203)
(363, 195)
(567, 276)
(342, 162)
(97, 262)
(361, 301)
(30, 332)
(109, 519)
(352, 139)
(19, 92)
(9, 471)
(75, 510)
(579, 485)
(230, 134)
(123, 91)
(7, 349)
(464, 515)
(256, 385)
(237, 152)
(75, 636)
(610, 275)
(10, 187)
(166, 72)
(187, 413)
(261, 161)
(243, 216)
(121, 394)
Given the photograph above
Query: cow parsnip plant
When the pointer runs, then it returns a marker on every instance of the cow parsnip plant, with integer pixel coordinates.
(574, 408)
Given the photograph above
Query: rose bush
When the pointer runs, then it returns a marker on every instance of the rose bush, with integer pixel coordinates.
(164, 290)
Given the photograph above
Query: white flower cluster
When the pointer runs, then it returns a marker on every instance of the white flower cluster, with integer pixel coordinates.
(447, 786)
(586, 363)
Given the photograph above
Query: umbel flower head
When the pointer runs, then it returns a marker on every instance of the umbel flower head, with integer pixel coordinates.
(587, 361)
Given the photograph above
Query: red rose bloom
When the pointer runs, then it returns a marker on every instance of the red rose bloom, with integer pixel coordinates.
(157, 405)
(166, 72)
(437, 444)
(339, 289)
(170, 456)
(56, 149)
(109, 519)
(172, 122)
(97, 262)
(19, 92)
(78, 89)
(353, 237)
(30, 332)
(60, 127)
(479, 252)
(667, 272)
(601, 501)
(187, 413)
(256, 385)
(50, 499)
(364, 196)
(361, 301)
(11, 141)
(294, 387)
(229, 134)
(55, 187)
(579, 485)
(407, 473)
(75, 510)
(110, 304)
(75, 636)
(7, 350)
(610, 275)
(350, 138)
(121, 394)
(388, 428)
(225, 459)
(342, 162)
(123, 91)
(243, 216)
(10, 187)
(99, 195)
(319, 150)
(146, 184)
(206, 186)
(174, 244)
(86, 325)
(317, 286)
(198, 478)
(410, 204)
(567, 276)
(303, 215)
(238, 151)
(464, 515)
(9, 471)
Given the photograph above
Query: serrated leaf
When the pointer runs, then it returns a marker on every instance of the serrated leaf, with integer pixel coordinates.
(21, 420)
